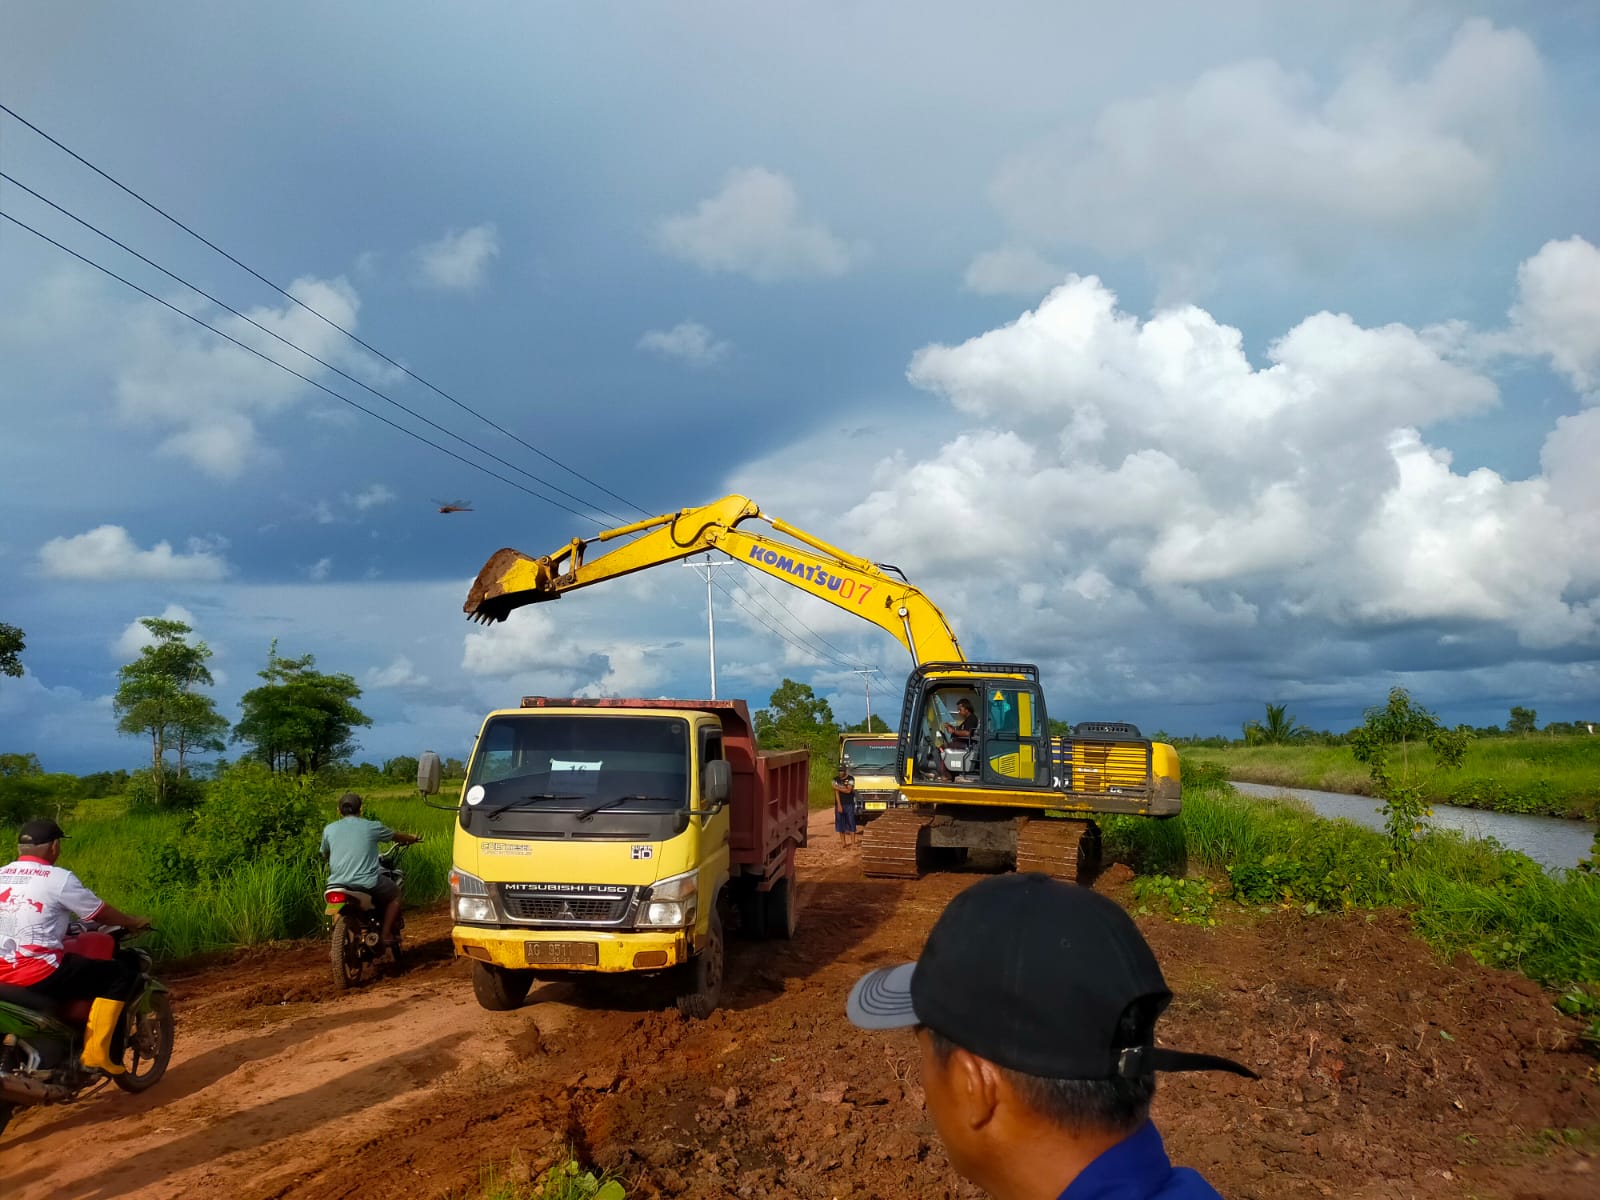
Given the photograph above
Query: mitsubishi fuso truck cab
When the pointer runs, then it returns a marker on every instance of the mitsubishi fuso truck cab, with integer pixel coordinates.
(612, 836)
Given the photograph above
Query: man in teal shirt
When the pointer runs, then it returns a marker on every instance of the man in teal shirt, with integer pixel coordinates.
(350, 845)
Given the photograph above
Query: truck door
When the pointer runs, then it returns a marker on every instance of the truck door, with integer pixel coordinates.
(1016, 743)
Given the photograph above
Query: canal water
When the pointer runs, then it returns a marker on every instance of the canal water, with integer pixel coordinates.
(1551, 842)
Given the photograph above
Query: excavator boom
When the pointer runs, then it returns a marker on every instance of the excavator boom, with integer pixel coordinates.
(511, 579)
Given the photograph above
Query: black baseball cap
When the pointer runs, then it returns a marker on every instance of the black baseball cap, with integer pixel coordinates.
(1037, 976)
(40, 833)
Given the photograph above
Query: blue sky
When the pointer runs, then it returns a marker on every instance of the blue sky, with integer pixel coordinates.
(1206, 355)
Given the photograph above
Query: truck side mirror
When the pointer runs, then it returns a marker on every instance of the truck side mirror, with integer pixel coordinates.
(718, 781)
(428, 773)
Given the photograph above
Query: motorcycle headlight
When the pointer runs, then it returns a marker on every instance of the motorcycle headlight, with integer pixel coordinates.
(672, 903)
(469, 898)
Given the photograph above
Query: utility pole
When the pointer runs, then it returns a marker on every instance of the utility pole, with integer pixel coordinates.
(709, 567)
(866, 674)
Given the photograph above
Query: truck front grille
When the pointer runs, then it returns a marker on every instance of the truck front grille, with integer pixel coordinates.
(555, 908)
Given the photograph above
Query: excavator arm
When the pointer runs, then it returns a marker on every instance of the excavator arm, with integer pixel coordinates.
(511, 579)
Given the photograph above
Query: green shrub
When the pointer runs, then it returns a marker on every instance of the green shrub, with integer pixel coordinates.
(251, 813)
(1187, 900)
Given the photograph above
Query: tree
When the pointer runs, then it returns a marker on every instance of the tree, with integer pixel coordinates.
(158, 698)
(11, 647)
(402, 768)
(300, 717)
(1279, 729)
(1523, 721)
(796, 716)
(878, 725)
(27, 792)
(1389, 742)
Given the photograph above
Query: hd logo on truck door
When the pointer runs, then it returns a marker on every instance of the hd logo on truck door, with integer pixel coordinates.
(821, 580)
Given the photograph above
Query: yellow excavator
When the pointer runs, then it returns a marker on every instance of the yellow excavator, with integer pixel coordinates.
(979, 772)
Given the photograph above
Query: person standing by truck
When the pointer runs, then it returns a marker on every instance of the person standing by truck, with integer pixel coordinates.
(844, 808)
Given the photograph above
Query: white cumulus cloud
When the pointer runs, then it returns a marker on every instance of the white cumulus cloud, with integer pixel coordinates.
(371, 497)
(108, 552)
(1557, 310)
(459, 261)
(208, 395)
(754, 227)
(1012, 271)
(401, 673)
(1254, 152)
(136, 637)
(689, 341)
(320, 569)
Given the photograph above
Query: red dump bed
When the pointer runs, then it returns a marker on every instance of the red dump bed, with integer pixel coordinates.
(767, 810)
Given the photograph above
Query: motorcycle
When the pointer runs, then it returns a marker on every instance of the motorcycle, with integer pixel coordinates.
(354, 943)
(43, 1042)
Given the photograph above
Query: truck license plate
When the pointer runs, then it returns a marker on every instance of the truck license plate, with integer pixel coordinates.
(561, 954)
(876, 805)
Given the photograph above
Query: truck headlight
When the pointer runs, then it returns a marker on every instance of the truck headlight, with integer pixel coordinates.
(672, 903)
(469, 898)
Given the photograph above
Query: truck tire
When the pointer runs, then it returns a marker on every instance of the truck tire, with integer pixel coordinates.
(781, 916)
(700, 985)
(500, 989)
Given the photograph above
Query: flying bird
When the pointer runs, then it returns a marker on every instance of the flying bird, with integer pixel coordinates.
(454, 506)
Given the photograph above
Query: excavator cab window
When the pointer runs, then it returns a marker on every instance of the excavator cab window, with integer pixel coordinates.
(1015, 743)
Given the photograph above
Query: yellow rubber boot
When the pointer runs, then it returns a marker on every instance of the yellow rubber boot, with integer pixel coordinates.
(97, 1035)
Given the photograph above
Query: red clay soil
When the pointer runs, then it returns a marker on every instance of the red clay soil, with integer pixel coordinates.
(1387, 1073)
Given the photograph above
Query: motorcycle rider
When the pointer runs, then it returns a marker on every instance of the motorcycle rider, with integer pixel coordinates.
(38, 899)
(350, 846)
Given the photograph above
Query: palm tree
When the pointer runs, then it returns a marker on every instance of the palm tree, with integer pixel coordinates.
(1280, 728)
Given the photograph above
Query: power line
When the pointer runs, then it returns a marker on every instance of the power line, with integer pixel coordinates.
(284, 367)
(95, 229)
(761, 582)
(153, 207)
(800, 646)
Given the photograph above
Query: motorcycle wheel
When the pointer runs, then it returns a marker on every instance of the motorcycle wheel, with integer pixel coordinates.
(347, 953)
(6, 1109)
(149, 1045)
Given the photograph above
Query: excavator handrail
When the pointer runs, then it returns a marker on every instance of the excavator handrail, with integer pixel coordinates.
(857, 585)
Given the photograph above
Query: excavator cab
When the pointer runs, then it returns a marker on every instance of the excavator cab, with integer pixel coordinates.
(1008, 749)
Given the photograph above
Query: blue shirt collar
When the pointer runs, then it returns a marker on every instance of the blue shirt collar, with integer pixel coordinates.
(1136, 1166)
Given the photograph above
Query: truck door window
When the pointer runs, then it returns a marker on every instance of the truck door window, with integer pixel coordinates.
(710, 745)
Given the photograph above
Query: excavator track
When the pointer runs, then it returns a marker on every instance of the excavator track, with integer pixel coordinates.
(1063, 849)
(891, 845)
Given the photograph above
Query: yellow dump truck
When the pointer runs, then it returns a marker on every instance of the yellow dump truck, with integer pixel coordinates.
(609, 836)
(872, 760)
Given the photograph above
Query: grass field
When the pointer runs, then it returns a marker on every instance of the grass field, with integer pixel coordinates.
(268, 899)
(1463, 894)
(1553, 776)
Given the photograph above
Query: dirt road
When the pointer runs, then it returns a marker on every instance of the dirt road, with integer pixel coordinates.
(1387, 1073)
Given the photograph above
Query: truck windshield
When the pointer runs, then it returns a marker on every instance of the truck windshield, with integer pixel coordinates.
(582, 763)
(867, 757)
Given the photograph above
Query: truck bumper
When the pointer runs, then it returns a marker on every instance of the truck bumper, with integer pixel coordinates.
(562, 950)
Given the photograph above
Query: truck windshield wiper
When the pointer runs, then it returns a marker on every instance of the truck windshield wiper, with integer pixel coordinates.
(589, 813)
(495, 812)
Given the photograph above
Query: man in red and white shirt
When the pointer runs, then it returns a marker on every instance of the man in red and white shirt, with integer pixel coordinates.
(37, 902)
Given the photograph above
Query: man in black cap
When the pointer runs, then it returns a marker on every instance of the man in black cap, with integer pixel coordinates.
(37, 902)
(1035, 1004)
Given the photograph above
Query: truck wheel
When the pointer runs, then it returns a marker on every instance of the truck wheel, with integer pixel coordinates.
(700, 987)
(500, 989)
(781, 915)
